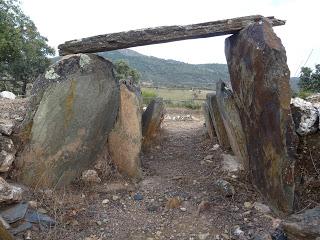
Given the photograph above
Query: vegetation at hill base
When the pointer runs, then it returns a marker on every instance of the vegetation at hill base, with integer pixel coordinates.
(309, 81)
(23, 51)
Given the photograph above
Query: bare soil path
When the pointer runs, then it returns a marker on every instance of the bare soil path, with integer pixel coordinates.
(176, 199)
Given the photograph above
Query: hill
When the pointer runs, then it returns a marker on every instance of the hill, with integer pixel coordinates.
(170, 73)
(159, 72)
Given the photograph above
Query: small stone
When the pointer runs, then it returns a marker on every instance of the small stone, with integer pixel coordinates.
(115, 197)
(90, 176)
(225, 188)
(33, 204)
(138, 197)
(6, 126)
(208, 157)
(48, 193)
(183, 209)
(261, 207)
(42, 210)
(174, 202)
(203, 236)
(226, 236)
(238, 231)
(99, 223)
(105, 201)
(203, 206)
(247, 205)
(215, 147)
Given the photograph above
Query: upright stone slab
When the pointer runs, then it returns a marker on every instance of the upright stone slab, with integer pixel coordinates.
(126, 137)
(72, 110)
(232, 123)
(260, 80)
(217, 121)
(208, 120)
(152, 119)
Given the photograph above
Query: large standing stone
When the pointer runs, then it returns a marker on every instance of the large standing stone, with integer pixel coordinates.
(260, 80)
(152, 119)
(303, 226)
(231, 119)
(126, 137)
(217, 121)
(208, 120)
(73, 108)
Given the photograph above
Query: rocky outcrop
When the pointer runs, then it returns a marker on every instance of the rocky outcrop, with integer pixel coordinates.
(72, 110)
(152, 119)
(126, 137)
(217, 121)
(305, 116)
(7, 153)
(260, 81)
(208, 120)
(232, 123)
(303, 226)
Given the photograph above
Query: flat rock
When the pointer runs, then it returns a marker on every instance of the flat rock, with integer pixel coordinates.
(13, 213)
(259, 77)
(32, 216)
(305, 116)
(303, 226)
(232, 123)
(217, 121)
(125, 139)
(72, 109)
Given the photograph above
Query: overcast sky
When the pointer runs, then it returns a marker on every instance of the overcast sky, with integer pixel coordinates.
(63, 20)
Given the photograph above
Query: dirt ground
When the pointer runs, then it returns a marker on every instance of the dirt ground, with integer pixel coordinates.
(176, 199)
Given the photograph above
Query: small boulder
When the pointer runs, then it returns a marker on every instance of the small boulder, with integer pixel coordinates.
(90, 176)
(225, 188)
(7, 94)
(305, 116)
(303, 226)
(9, 193)
(6, 126)
(260, 207)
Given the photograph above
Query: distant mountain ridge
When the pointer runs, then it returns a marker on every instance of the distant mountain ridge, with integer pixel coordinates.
(170, 73)
(160, 72)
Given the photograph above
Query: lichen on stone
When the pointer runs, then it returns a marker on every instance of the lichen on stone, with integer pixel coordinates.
(84, 60)
(51, 74)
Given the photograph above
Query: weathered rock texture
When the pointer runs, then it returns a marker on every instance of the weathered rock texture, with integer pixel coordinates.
(217, 121)
(208, 120)
(303, 226)
(260, 81)
(126, 137)
(152, 119)
(7, 153)
(72, 110)
(9, 193)
(232, 123)
(305, 116)
(156, 35)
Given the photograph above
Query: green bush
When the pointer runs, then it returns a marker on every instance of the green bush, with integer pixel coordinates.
(304, 94)
(148, 96)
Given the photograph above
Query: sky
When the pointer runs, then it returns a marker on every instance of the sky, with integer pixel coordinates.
(63, 20)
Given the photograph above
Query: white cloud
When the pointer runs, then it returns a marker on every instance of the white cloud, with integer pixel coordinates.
(63, 20)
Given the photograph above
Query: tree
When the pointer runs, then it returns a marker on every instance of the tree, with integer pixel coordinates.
(310, 80)
(23, 51)
(124, 72)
